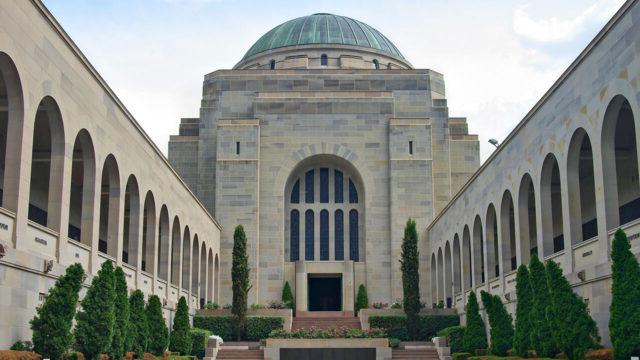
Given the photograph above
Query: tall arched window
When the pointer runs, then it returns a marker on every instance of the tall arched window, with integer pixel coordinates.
(272, 64)
(324, 60)
(376, 64)
(332, 226)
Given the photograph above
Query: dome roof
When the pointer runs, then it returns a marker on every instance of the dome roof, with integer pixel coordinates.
(323, 29)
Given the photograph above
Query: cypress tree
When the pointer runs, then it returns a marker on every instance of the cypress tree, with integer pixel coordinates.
(94, 323)
(158, 332)
(51, 326)
(574, 330)
(541, 336)
(475, 336)
(121, 308)
(624, 324)
(362, 299)
(524, 308)
(500, 322)
(180, 338)
(240, 279)
(409, 265)
(139, 334)
(287, 296)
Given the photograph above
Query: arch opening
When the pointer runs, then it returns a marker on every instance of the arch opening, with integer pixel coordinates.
(130, 233)
(508, 233)
(550, 191)
(448, 278)
(478, 252)
(527, 219)
(493, 267)
(175, 251)
(457, 265)
(109, 207)
(466, 258)
(148, 233)
(163, 244)
(186, 259)
(581, 187)
(82, 190)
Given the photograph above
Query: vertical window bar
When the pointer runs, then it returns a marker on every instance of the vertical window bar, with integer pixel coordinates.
(353, 193)
(338, 187)
(324, 235)
(339, 235)
(237, 147)
(324, 185)
(308, 235)
(294, 236)
(308, 186)
(353, 235)
(295, 193)
(410, 147)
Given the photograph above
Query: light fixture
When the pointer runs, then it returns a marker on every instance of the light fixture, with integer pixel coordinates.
(494, 142)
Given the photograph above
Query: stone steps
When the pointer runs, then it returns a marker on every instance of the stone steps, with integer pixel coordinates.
(240, 354)
(325, 323)
(410, 354)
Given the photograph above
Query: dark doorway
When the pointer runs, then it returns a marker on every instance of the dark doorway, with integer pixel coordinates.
(325, 292)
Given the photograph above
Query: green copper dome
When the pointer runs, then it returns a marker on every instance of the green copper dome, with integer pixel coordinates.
(323, 29)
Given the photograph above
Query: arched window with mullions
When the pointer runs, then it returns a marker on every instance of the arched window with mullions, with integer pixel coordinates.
(324, 60)
(324, 214)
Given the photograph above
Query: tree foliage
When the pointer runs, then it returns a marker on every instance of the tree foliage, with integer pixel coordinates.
(500, 322)
(180, 339)
(158, 332)
(139, 329)
(51, 326)
(574, 330)
(541, 336)
(240, 279)
(287, 296)
(524, 309)
(409, 265)
(362, 299)
(94, 323)
(624, 324)
(475, 336)
(121, 308)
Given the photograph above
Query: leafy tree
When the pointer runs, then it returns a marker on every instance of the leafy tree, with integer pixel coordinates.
(574, 330)
(475, 336)
(287, 296)
(121, 308)
(240, 279)
(94, 323)
(624, 324)
(180, 339)
(409, 264)
(158, 332)
(362, 299)
(524, 309)
(541, 336)
(139, 329)
(500, 323)
(51, 326)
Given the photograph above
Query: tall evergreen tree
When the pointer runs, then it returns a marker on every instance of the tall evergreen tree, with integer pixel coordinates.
(524, 308)
(287, 296)
(500, 323)
(624, 323)
(475, 336)
(574, 330)
(240, 279)
(94, 323)
(139, 334)
(541, 336)
(121, 308)
(51, 326)
(180, 338)
(158, 332)
(409, 265)
(362, 299)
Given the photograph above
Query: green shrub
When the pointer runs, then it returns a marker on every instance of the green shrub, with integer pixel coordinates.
(362, 299)
(409, 265)
(180, 338)
(454, 335)
(431, 324)
(287, 296)
(259, 327)
(139, 329)
(199, 338)
(475, 336)
(331, 333)
(94, 323)
(22, 346)
(158, 332)
(278, 305)
(121, 311)
(500, 323)
(542, 339)
(218, 325)
(394, 343)
(394, 325)
(397, 305)
(212, 306)
(524, 308)
(240, 280)
(257, 306)
(51, 326)
(460, 356)
(428, 326)
(624, 323)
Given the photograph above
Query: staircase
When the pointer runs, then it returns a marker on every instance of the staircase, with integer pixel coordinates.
(415, 350)
(240, 351)
(325, 322)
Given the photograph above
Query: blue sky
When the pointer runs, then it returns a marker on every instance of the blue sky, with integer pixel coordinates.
(498, 56)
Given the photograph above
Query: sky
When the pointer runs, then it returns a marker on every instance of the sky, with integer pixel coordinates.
(498, 57)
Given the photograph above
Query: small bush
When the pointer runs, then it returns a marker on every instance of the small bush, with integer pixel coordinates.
(257, 306)
(396, 305)
(212, 306)
(200, 338)
(394, 343)
(331, 333)
(19, 355)
(217, 325)
(259, 327)
(227, 306)
(180, 337)
(73, 356)
(396, 325)
(379, 305)
(22, 346)
(460, 356)
(287, 296)
(278, 305)
(362, 299)
(454, 336)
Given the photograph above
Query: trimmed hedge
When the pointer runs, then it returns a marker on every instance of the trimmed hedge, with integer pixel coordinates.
(199, 338)
(460, 356)
(396, 325)
(454, 336)
(256, 327)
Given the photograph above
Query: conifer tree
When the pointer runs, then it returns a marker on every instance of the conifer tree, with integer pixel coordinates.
(362, 299)
(409, 265)
(624, 323)
(51, 326)
(180, 338)
(94, 323)
(574, 330)
(158, 332)
(500, 323)
(240, 279)
(121, 308)
(542, 337)
(524, 308)
(287, 296)
(139, 334)
(475, 336)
